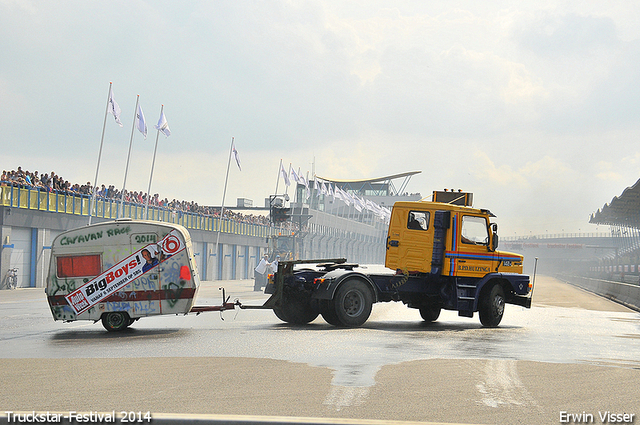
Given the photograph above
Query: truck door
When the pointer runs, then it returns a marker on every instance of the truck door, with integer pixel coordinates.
(410, 242)
(470, 255)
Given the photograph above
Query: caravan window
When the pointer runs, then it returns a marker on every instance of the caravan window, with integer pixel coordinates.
(79, 265)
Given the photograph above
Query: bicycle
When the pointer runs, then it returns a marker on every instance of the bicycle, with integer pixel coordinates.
(12, 278)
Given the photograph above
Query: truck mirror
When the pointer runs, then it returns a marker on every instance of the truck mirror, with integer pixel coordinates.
(494, 239)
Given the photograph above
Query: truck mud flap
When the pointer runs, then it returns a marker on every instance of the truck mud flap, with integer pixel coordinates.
(521, 301)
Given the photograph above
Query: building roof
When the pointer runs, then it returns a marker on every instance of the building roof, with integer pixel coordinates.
(623, 210)
(378, 186)
(373, 180)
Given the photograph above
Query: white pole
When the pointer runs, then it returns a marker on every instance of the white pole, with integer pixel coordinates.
(224, 193)
(126, 169)
(286, 190)
(95, 181)
(278, 178)
(153, 162)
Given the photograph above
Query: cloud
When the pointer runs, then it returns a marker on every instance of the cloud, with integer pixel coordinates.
(552, 35)
(545, 173)
(607, 172)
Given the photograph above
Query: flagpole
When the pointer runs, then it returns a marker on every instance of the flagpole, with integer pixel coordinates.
(95, 181)
(153, 162)
(276, 193)
(286, 191)
(224, 193)
(126, 169)
(278, 179)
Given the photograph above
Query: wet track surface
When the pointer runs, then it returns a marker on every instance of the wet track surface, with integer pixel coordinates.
(558, 329)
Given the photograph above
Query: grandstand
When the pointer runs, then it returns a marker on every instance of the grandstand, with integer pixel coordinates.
(622, 215)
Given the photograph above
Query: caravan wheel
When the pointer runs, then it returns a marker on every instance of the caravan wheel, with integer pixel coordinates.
(116, 321)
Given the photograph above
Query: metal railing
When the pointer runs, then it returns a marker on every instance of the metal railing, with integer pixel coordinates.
(556, 236)
(79, 204)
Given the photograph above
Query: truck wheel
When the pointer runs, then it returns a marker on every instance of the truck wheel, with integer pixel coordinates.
(352, 303)
(430, 313)
(491, 306)
(296, 312)
(116, 321)
(328, 312)
(280, 314)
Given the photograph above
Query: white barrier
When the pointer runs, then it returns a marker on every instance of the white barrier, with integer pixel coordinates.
(623, 293)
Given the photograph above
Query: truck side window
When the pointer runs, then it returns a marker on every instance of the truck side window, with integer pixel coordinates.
(474, 230)
(418, 220)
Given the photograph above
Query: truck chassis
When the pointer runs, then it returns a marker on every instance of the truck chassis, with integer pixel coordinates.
(344, 295)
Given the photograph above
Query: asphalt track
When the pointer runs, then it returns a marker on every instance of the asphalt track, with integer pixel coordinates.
(482, 388)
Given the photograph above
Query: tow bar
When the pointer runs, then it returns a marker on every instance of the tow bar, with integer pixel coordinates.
(226, 305)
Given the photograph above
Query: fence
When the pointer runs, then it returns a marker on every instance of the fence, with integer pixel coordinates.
(79, 204)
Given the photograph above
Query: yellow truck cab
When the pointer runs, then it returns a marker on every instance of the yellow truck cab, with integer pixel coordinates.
(447, 239)
(120, 271)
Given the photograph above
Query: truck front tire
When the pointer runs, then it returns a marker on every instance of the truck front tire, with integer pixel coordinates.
(491, 306)
(352, 303)
(430, 313)
(116, 321)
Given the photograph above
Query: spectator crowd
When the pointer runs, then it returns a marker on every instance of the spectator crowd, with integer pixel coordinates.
(52, 182)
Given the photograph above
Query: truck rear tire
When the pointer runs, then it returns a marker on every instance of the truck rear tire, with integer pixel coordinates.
(352, 303)
(116, 321)
(328, 312)
(430, 313)
(296, 311)
(491, 306)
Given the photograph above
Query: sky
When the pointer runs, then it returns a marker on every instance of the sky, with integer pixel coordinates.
(533, 106)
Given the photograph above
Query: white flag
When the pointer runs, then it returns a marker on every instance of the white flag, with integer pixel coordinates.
(114, 109)
(348, 198)
(323, 189)
(294, 176)
(141, 124)
(163, 125)
(285, 175)
(305, 182)
(235, 154)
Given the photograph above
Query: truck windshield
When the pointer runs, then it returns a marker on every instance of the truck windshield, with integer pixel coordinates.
(474, 230)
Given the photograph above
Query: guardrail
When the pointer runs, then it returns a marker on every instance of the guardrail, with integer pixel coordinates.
(79, 204)
(623, 293)
(533, 238)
